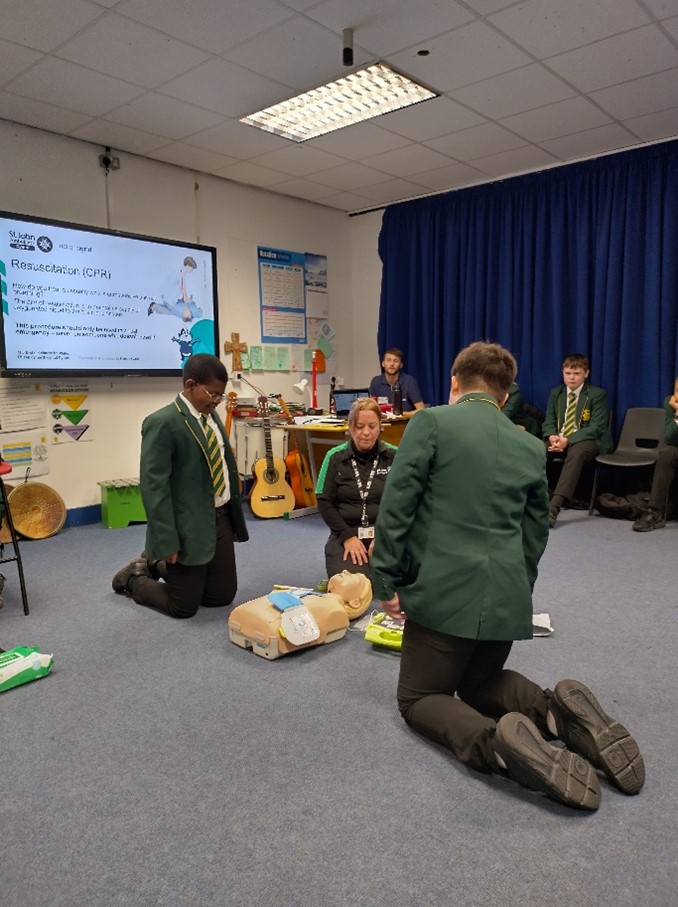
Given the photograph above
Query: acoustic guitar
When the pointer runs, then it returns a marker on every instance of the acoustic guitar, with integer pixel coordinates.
(300, 479)
(297, 467)
(230, 406)
(271, 495)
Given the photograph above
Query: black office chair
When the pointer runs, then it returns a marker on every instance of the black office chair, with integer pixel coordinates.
(5, 468)
(642, 435)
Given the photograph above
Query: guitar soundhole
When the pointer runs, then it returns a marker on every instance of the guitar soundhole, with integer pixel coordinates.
(271, 475)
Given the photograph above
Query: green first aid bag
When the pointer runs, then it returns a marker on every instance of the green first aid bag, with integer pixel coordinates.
(21, 664)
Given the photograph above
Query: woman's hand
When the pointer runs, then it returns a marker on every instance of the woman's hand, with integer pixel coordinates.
(355, 550)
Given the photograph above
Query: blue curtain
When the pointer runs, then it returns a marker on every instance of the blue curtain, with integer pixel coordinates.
(582, 258)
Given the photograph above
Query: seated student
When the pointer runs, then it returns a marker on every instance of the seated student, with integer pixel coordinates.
(349, 489)
(664, 470)
(381, 386)
(576, 426)
(516, 410)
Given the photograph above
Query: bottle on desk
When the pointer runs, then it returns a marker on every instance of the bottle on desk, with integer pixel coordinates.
(333, 402)
(397, 395)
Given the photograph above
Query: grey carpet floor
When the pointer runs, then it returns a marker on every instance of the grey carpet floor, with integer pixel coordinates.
(159, 764)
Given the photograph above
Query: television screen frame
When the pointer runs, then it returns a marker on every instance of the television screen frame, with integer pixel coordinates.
(133, 302)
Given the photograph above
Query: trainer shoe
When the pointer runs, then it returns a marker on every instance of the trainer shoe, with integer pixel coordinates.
(584, 727)
(121, 580)
(652, 519)
(538, 765)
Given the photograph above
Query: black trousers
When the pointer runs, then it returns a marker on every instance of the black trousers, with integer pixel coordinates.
(576, 457)
(664, 472)
(434, 666)
(186, 588)
(334, 559)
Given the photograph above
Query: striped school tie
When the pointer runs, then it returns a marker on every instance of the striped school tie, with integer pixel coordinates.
(216, 462)
(570, 414)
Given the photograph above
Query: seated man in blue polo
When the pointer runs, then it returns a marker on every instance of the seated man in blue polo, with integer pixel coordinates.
(381, 386)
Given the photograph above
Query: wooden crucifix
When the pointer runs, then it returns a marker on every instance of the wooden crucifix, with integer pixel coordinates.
(237, 348)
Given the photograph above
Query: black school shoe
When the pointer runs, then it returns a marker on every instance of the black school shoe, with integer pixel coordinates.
(538, 765)
(121, 580)
(584, 727)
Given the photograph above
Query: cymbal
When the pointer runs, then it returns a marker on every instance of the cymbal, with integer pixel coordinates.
(38, 511)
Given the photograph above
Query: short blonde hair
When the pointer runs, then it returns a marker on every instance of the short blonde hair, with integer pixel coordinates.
(362, 405)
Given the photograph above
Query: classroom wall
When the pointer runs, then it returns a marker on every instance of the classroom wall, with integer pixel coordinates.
(52, 176)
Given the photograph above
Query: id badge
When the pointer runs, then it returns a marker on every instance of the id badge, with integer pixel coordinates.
(366, 532)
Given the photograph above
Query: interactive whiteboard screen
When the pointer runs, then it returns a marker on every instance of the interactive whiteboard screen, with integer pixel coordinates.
(83, 301)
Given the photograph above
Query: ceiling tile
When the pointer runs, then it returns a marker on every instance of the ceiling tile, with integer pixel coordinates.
(480, 140)
(408, 160)
(119, 138)
(548, 27)
(660, 125)
(130, 51)
(640, 96)
(299, 160)
(361, 140)
(45, 25)
(307, 54)
(513, 92)
(393, 191)
(671, 25)
(15, 58)
(518, 160)
(212, 25)
(662, 9)
(349, 176)
(346, 201)
(573, 115)
(300, 188)
(252, 174)
(164, 116)
(61, 83)
(227, 88)
(34, 113)
(618, 59)
(486, 7)
(386, 28)
(237, 140)
(462, 57)
(193, 158)
(449, 177)
(593, 141)
(430, 119)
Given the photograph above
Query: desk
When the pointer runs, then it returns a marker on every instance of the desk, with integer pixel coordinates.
(315, 439)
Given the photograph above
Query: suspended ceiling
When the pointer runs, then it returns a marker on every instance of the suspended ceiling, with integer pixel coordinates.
(523, 85)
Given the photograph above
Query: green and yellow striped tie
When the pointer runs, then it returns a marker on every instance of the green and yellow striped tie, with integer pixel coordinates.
(570, 414)
(216, 461)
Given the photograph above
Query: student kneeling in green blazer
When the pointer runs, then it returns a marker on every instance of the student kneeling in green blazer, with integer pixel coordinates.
(462, 524)
(191, 492)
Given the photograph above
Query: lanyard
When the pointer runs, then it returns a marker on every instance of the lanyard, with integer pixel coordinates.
(363, 492)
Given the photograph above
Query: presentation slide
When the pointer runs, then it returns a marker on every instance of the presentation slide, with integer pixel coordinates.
(78, 300)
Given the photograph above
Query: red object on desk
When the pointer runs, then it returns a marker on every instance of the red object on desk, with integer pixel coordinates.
(314, 381)
(4, 468)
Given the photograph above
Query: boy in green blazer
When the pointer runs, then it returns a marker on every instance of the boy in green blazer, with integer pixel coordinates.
(191, 493)
(664, 470)
(462, 524)
(576, 427)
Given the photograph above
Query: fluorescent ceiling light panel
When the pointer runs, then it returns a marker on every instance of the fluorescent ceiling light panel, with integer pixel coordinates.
(359, 96)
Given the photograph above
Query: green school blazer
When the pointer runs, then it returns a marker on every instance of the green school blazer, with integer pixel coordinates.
(176, 486)
(463, 522)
